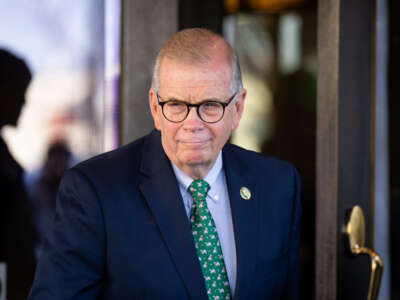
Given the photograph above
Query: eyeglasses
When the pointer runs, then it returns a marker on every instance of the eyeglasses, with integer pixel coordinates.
(209, 111)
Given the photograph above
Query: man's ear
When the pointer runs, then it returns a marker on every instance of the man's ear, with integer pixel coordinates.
(154, 109)
(238, 108)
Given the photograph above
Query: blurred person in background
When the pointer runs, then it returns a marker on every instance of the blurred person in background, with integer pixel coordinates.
(17, 234)
(44, 190)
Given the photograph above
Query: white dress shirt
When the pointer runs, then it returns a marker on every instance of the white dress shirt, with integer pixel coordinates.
(219, 205)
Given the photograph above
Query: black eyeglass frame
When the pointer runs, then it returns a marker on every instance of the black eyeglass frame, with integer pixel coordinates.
(189, 105)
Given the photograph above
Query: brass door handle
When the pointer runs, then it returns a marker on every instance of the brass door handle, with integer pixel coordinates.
(355, 233)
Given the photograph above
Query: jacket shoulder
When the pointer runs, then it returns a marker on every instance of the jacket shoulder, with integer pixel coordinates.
(255, 162)
(127, 157)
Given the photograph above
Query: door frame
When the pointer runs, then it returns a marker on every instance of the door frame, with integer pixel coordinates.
(345, 135)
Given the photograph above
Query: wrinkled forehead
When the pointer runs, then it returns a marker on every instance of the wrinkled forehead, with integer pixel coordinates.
(206, 78)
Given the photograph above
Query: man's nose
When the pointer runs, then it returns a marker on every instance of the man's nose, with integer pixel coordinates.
(193, 120)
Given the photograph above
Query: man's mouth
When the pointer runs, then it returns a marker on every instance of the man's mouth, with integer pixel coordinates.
(194, 143)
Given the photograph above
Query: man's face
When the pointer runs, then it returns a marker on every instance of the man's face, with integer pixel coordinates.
(194, 144)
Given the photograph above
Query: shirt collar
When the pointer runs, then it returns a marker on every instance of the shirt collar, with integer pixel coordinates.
(185, 180)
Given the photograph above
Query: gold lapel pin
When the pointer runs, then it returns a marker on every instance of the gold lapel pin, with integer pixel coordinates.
(245, 193)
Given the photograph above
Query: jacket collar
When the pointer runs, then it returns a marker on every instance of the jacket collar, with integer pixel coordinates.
(160, 189)
(244, 215)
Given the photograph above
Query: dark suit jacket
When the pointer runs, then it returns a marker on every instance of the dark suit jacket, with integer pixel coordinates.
(121, 230)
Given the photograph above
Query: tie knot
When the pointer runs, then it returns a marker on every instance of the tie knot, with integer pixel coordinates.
(198, 189)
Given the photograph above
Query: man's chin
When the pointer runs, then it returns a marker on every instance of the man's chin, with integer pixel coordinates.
(195, 159)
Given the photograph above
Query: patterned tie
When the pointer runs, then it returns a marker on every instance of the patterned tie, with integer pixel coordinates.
(207, 243)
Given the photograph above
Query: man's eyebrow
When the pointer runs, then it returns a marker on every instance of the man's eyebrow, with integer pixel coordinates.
(175, 99)
(212, 99)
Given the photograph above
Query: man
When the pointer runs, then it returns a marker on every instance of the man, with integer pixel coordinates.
(178, 214)
(17, 234)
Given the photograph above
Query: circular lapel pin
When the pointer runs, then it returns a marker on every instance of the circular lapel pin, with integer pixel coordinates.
(245, 193)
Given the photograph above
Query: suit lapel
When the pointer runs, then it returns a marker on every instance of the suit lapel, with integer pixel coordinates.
(160, 189)
(244, 215)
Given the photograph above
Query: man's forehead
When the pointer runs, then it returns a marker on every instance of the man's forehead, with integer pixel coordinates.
(213, 74)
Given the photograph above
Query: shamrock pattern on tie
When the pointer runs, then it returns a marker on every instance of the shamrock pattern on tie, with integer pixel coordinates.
(207, 243)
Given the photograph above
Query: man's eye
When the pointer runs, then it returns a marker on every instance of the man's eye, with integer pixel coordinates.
(210, 105)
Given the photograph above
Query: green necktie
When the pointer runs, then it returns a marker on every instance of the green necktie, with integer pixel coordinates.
(207, 243)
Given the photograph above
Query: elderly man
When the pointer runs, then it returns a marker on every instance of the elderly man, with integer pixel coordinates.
(179, 213)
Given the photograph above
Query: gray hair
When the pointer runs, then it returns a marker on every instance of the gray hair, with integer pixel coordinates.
(193, 46)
